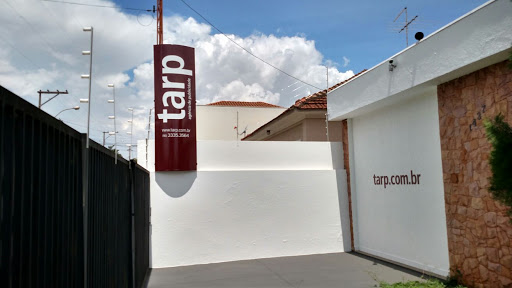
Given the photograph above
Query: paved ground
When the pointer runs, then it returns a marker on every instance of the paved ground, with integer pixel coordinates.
(318, 271)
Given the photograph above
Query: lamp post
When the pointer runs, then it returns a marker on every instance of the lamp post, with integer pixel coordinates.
(88, 29)
(72, 108)
(131, 135)
(113, 101)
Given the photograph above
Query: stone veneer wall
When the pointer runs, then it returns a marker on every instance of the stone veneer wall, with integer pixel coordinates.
(346, 163)
(479, 231)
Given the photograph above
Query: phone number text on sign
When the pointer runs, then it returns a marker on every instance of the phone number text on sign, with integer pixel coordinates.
(175, 133)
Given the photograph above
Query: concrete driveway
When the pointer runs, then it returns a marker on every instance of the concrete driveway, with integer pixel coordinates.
(324, 270)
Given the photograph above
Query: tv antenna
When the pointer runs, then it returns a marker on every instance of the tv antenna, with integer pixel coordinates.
(244, 132)
(406, 25)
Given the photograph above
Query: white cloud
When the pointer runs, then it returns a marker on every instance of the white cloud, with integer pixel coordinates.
(346, 61)
(238, 91)
(123, 51)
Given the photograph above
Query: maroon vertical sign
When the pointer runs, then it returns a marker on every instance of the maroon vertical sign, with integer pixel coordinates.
(175, 108)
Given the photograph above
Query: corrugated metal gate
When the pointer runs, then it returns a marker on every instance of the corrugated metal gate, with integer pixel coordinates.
(46, 202)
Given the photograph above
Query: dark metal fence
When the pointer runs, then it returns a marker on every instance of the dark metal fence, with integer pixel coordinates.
(141, 208)
(51, 188)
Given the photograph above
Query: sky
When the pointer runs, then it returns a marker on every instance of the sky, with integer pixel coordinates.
(41, 44)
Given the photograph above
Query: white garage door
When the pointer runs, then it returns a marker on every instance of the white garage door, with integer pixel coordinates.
(399, 194)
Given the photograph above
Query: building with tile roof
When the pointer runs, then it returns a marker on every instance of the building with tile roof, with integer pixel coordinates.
(232, 120)
(243, 104)
(303, 121)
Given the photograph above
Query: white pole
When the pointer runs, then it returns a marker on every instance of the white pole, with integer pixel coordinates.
(131, 137)
(90, 79)
(326, 114)
(147, 139)
(115, 129)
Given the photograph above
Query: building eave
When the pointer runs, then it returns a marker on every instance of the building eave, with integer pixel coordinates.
(478, 39)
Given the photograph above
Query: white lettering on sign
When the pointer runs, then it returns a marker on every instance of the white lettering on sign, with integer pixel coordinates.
(177, 97)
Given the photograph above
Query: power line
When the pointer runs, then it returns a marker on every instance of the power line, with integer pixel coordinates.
(100, 6)
(243, 48)
(19, 52)
(31, 26)
(30, 61)
(54, 17)
(50, 52)
(72, 16)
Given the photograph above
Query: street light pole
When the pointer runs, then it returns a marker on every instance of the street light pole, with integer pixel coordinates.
(88, 29)
(131, 136)
(72, 108)
(114, 117)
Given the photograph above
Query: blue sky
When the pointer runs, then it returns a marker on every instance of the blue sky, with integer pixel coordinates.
(360, 30)
(300, 37)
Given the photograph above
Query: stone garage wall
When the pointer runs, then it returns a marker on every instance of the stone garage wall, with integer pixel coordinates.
(479, 231)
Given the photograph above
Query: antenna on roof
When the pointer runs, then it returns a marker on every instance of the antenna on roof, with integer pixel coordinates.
(290, 85)
(406, 25)
(298, 88)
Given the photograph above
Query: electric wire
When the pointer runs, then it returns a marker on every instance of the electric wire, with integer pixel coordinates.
(31, 62)
(145, 25)
(59, 100)
(246, 50)
(55, 17)
(123, 137)
(31, 26)
(52, 49)
(19, 52)
(99, 6)
(70, 100)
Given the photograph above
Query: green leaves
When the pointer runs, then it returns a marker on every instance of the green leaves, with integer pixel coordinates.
(499, 134)
(417, 284)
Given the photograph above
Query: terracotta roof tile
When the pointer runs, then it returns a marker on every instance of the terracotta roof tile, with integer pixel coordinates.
(317, 100)
(243, 104)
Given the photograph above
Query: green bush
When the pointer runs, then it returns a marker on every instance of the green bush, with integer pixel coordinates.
(499, 134)
(417, 284)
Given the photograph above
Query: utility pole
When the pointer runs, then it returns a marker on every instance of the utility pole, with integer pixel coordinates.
(57, 93)
(159, 23)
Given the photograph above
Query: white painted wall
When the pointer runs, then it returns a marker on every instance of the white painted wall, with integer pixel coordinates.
(479, 39)
(250, 200)
(218, 122)
(209, 217)
(248, 155)
(402, 223)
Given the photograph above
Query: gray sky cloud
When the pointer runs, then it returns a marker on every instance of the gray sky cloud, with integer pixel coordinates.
(48, 56)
